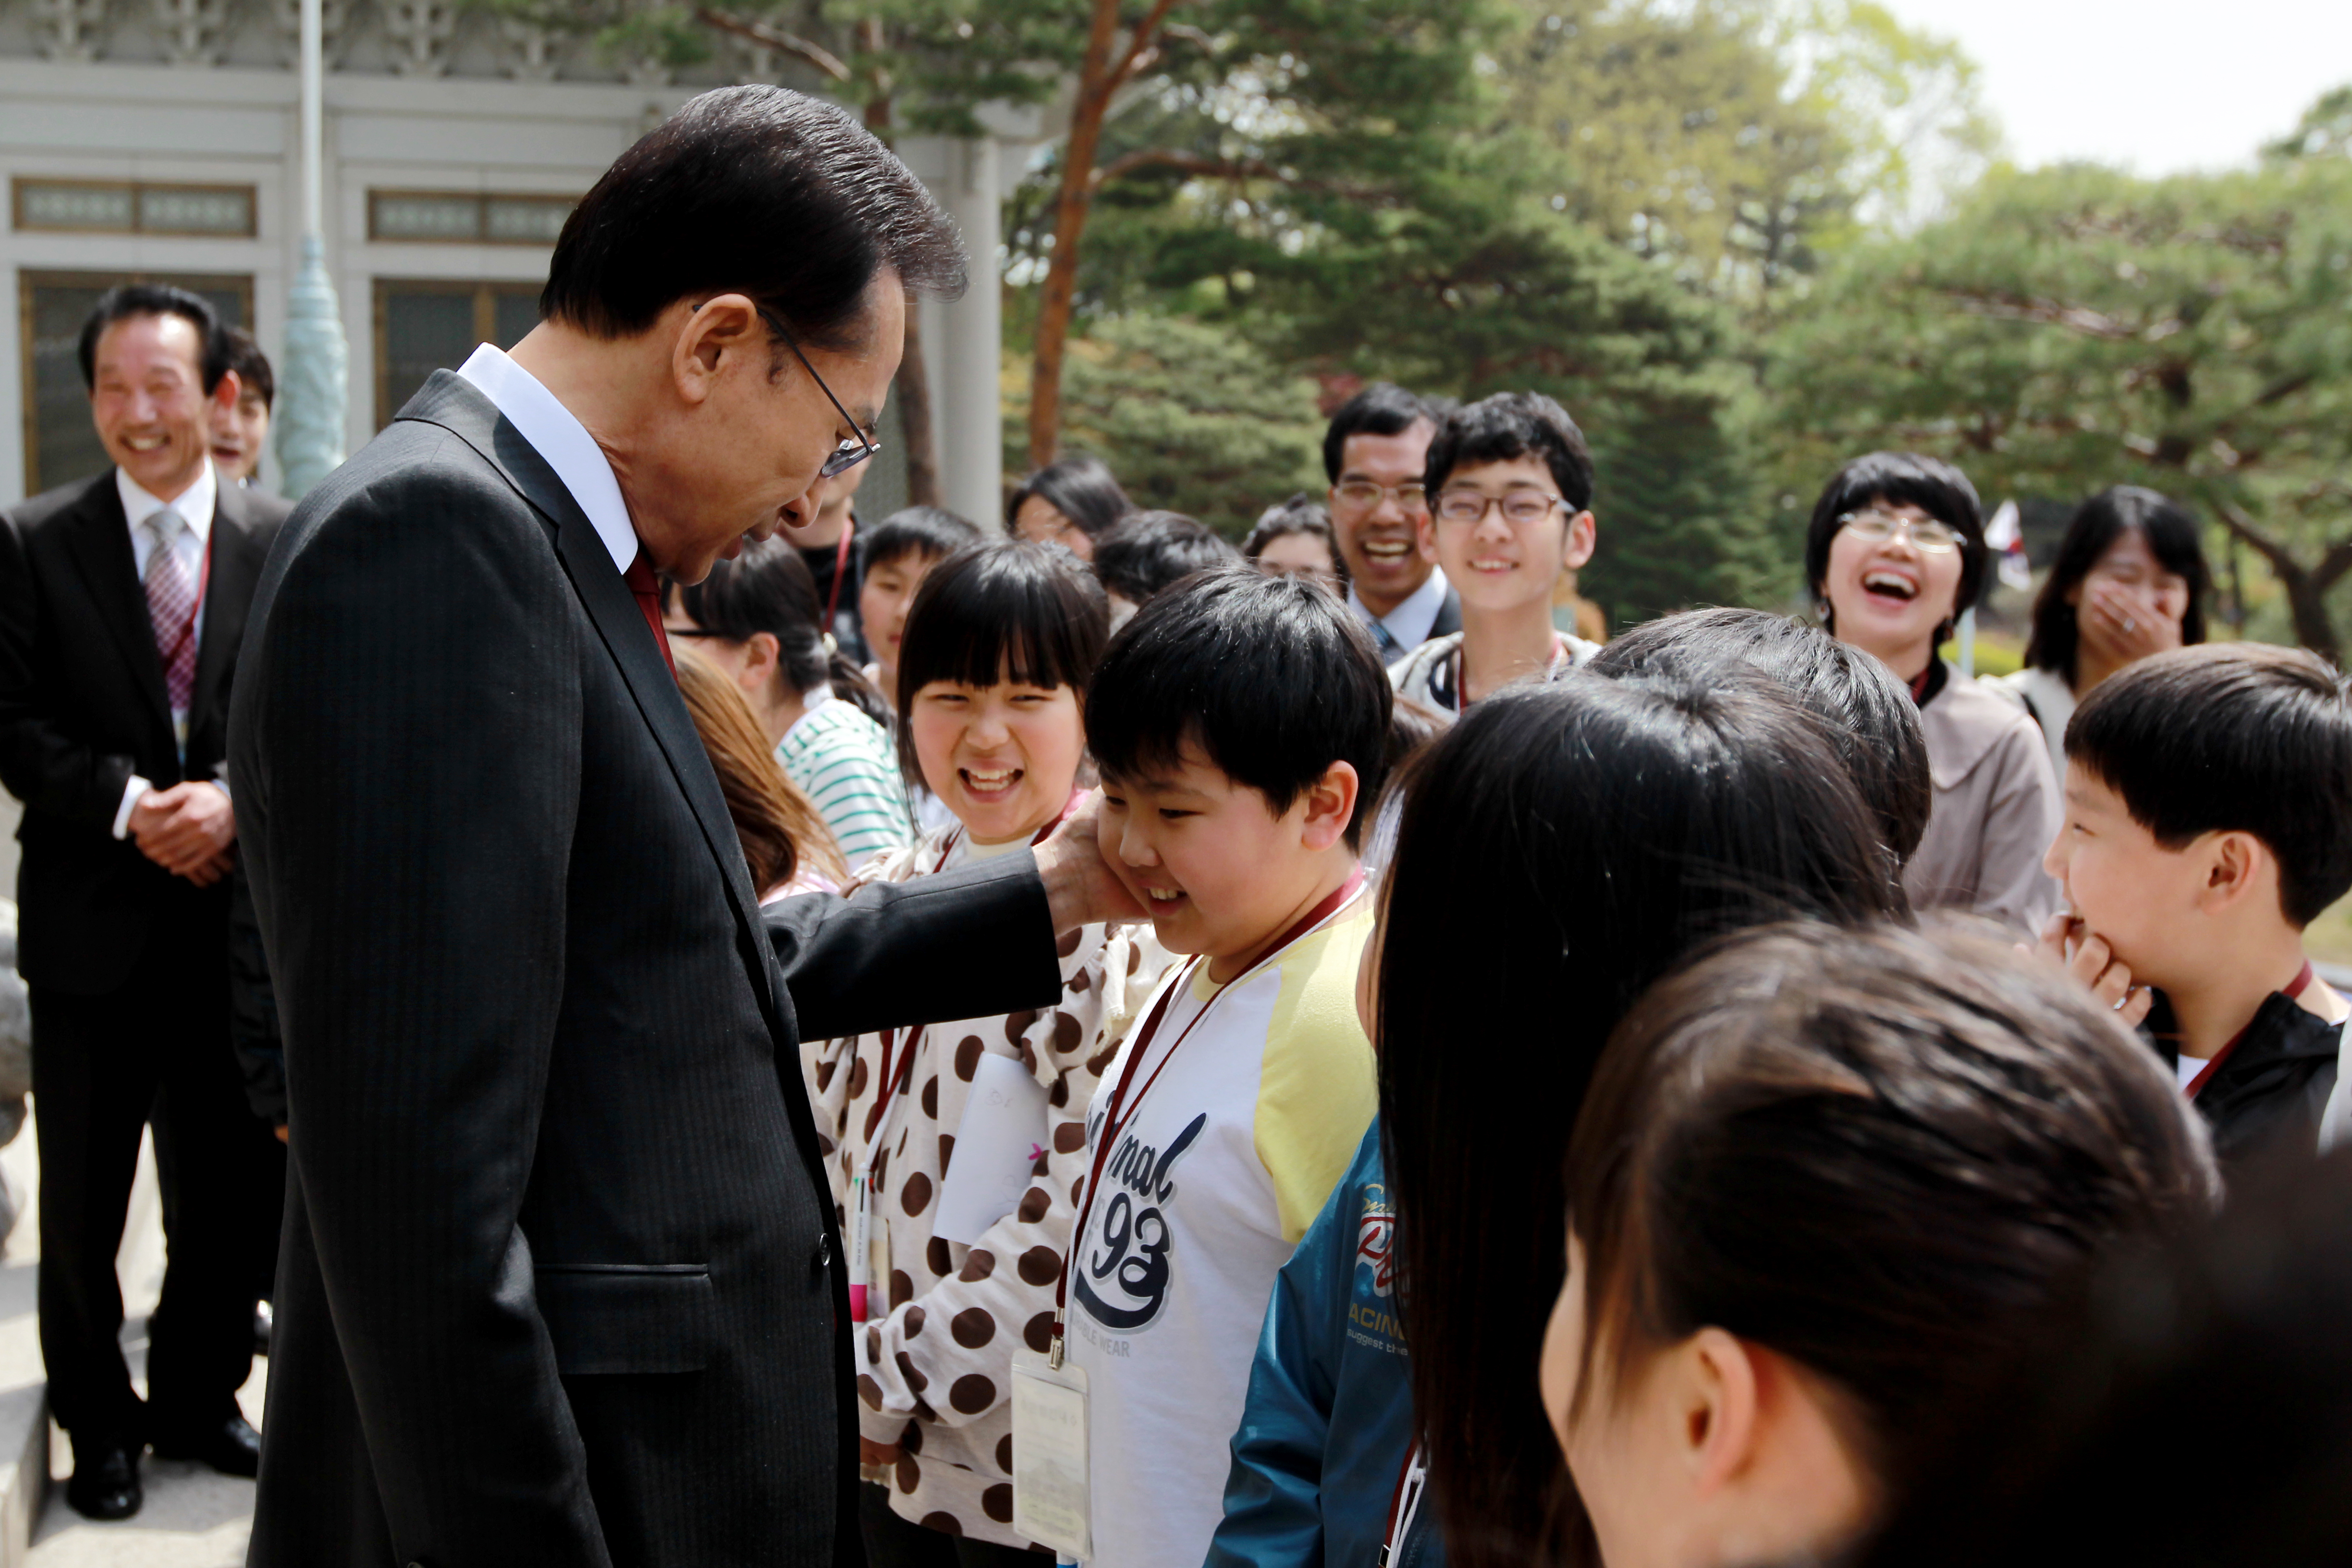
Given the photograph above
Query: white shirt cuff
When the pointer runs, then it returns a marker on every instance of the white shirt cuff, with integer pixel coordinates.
(133, 792)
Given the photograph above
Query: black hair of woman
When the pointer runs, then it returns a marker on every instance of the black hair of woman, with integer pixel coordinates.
(1872, 718)
(1080, 486)
(1531, 898)
(1879, 1155)
(768, 588)
(1899, 479)
(2172, 538)
(2192, 1406)
(1003, 610)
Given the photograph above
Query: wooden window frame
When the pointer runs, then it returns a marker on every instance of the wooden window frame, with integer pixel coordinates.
(481, 201)
(485, 293)
(20, 183)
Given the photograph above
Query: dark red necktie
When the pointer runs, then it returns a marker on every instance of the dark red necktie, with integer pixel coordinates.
(647, 588)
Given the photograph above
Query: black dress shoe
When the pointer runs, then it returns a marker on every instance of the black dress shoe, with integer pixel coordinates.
(232, 1448)
(105, 1483)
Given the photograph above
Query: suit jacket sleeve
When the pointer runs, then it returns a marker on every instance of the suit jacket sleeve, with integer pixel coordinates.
(981, 939)
(410, 746)
(43, 764)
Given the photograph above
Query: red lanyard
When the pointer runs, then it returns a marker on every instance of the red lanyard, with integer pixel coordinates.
(1559, 650)
(840, 560)
(2300, 984)
(1114, 1123)
(956, 838)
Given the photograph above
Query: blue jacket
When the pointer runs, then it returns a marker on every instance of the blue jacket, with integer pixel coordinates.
(1328, 1424)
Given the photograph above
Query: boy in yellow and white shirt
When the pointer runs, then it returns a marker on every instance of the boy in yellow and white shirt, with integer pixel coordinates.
(1238, 724)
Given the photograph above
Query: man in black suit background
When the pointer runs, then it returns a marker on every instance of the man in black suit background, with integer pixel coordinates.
(560, 1280)
(122, 602)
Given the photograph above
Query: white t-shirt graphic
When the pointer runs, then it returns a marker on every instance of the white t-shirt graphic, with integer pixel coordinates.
(1244, 1112)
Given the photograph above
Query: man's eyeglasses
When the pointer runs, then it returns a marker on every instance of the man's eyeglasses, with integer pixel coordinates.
(1362, 495)
(1520, 507)
(853, 449)
(1927, 535)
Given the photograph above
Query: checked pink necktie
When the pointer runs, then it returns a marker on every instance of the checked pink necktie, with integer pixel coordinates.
(172, 607)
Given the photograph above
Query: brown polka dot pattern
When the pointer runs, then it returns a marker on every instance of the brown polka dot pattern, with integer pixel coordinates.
(1067, 946)
(955, 1316)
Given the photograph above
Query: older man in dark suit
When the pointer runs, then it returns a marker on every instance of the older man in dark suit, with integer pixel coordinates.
(560, 1280)
(122, 601)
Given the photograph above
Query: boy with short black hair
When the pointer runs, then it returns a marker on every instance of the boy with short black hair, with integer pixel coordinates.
(1238, 722)
(1509, 480)
(2209, 819)
(899, 554)
(1142, 553)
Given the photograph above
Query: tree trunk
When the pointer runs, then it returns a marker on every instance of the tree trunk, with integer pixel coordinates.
(1070, 208)
(2306, 586)
(914, 389)
(914, 382)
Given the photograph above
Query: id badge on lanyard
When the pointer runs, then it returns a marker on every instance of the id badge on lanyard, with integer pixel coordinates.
(1050, 1486)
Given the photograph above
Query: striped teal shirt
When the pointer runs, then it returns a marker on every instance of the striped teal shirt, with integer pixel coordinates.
(847, 767)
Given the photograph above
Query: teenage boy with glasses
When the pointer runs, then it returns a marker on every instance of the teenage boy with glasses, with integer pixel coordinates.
(1374, 451)
(1511, 485)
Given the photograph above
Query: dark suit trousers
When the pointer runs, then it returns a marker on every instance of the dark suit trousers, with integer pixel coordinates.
(102, 1065)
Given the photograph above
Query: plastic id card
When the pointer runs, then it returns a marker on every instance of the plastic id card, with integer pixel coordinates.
(1049, 1456)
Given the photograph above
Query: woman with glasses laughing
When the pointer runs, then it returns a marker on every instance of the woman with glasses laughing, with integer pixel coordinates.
(1896, 551)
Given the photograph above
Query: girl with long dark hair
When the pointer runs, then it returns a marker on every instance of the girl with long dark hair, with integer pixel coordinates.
(2129, 580)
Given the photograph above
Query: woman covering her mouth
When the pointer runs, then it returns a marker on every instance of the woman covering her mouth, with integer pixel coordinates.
(1896, 550)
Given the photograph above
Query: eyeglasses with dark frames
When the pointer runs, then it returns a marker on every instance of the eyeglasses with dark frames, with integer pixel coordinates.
(853, 449)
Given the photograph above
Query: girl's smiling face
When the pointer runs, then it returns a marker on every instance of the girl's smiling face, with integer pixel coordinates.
(1888, 594)
(1004, 758)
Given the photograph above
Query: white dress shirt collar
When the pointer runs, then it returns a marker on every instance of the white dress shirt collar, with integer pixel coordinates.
(1410, 622)
(557, 435)
(194, 504)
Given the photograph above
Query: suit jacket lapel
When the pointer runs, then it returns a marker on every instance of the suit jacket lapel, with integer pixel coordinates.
(228, 593)
(458, 406)
(101, 548)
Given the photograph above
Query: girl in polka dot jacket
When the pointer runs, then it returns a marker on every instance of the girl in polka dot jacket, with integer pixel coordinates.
(992, 666)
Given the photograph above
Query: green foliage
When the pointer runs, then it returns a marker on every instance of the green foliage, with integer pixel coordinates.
(2076, 328)
(1194, 417)
(1736, 141)
(2325, 130)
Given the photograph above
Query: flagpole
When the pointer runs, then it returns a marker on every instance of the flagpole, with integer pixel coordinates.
(314, 378)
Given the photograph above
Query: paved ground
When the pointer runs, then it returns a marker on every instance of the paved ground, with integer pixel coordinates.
(193, 1517)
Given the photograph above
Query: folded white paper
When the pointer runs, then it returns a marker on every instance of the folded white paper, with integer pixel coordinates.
(998, 1143)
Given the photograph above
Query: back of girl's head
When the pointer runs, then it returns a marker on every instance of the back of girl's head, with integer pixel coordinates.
(1080, 488)
(766, 588)
(781, 833)
(1558, 849)
(928, 533)
(2172, 538)
(1871, 717)
(1877, 1152)
(2193, 1406)
(1007, 610)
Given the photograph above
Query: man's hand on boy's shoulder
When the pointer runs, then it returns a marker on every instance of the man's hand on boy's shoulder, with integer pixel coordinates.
(1080, 886)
